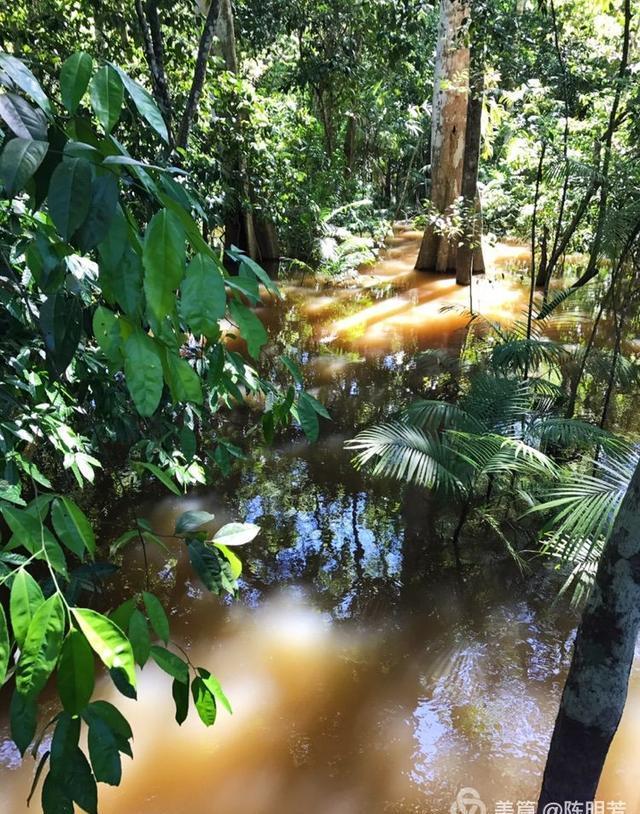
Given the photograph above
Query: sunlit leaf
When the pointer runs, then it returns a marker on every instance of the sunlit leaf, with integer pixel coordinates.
(107, 640)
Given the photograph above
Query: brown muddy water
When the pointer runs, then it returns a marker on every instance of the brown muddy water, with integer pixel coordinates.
(367, 675)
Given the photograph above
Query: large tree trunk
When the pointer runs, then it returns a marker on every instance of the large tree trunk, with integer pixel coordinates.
(448, 124)
(469, 254)
(596, 688)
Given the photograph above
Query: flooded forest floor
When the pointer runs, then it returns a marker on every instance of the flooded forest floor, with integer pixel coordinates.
(367, 675)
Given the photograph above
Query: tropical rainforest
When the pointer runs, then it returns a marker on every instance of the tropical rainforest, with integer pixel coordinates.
(319, 374)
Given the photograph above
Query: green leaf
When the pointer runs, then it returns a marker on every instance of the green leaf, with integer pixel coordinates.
(72, 527)
(250, 264)
(145, 104)
(70, 195)
(23, 717)
(206, 564)
(126, 285)
(121, 615)
(233, 534)
(203, 299)
(23, 120)
(313, 402)
(235, 563)
(293, 368)
(102, 210)
(251, 328)
(26, 597)
(76, 673)
(107, 95)
(61, 326)
(184, 382)
(160, 475)
(204, 701)
(21, 76)
(157, 616)
(171, 664)
(190, 521)
(5, 646)
(20, 159)
(106, 329)
(107, 640)
(308, 418)
(163, 258)
(180, 693)
(139, 637)
(215, 688)
(143, 371)
(80, 782)
(65, 740)
(41, 647)
(104, 752)
(74, 78)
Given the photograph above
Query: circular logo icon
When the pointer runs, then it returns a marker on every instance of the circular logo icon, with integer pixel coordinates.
(468, 802)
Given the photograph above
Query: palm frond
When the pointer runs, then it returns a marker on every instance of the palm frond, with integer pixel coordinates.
(497, 402)
(408, 454)
(433, 415)
(494, 454)
(584, 558)
(520, 354)
(567, 432)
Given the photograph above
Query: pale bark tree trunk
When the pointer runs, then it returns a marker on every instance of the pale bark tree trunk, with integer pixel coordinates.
(449, 116)
(596, 688)
(469, 254)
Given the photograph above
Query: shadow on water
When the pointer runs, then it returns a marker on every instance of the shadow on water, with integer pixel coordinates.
(367, 675)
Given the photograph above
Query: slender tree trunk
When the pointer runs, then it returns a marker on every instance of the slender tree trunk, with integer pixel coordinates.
(533, 252)
(449, 116)
(596, 687)
(149, 23)
(471, 241)
(199, 74)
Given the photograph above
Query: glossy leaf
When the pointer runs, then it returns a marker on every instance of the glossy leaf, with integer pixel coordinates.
(72, 527)
(171, 664)
(70, 195)
(184, 383)
(23, 718)
(107, 96)
(206, 564)
(22, 77)
(104, 752)
(5, 646)
(160, 475)
(145, 104)
(157, 616)
(107, 640)
(23, 120)
(163, 258)
(234, 534)
(251, 328)
(76, 673)
(61, 326)
(204, 700)
(215, 688)
(102, 210)
(41, 647)
(74, 78)
(192, 520)
(19, 161)
(180, 693)
(139, 637)
(25, 599)
(143, 372)
(203, 298)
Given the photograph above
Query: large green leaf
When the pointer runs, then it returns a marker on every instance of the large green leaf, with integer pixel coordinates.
(191, 521)
(157, 616)
(104, 200)
(204, 701)
(104, 752)
(251, 328)
(76, 673)
(74, 78)
(22, 119)
(184, 382)
(214, 686)
(126, 285)
(143, 371)
(145, 104)
(163, 257)
(21, 76)
(23, 719)
(139, 637)
(18, 162)
(180, 693)
(70, 195)
(171, 664)
(5, 646)
(61, 326)
(41, 647)
(72, 527)
(25, 599)
(107, 640)
(206, 564)
(106, 329)
(107, 95)
(203, 299)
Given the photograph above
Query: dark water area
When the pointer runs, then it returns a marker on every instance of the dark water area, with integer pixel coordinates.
(368, 675)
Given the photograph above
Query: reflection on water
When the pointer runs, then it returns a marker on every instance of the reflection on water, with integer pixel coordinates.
(366, 677)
